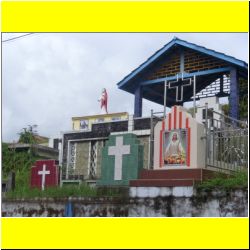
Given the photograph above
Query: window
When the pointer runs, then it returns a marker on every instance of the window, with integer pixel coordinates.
(84, 124)
(116, 118)
(100, 120)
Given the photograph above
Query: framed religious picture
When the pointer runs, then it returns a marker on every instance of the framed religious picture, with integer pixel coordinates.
(84, 124)
(175, 147)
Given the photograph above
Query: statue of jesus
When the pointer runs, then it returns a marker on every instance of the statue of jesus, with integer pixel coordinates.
(104, 100)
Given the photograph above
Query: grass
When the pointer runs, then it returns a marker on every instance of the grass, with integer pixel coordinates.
(238, 180)
(53, 192)
(23, 190)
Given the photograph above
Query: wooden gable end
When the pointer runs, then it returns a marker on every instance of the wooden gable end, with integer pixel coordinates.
(169, 66)
(194, 61)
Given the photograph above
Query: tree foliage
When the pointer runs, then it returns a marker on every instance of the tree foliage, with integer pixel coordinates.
(16, 161)
(22, 160)
(28, 135)
(243, 100)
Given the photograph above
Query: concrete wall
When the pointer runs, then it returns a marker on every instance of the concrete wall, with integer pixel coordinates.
(97, 119)
(213, 103)
(144, 140)
(205, 204)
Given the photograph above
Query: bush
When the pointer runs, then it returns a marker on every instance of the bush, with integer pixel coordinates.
(16, 161)
(238, 180)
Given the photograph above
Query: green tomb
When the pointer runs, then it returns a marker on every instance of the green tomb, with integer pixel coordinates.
(122, 159)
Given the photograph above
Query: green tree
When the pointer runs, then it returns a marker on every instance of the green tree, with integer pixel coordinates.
(28, 135)
(22, 160)
(225, 108)
(15, 161)
(243, 102)
(243, 93)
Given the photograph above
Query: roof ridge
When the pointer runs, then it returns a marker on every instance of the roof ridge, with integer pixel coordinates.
(178, 41)
(210, 49)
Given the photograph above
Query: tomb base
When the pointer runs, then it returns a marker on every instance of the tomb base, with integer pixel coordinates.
(172, 177)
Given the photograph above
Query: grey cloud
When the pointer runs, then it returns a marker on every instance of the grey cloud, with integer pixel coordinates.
(48, 78)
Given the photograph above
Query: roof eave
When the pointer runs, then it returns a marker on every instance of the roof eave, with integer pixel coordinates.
(216, 54)
(239, 63)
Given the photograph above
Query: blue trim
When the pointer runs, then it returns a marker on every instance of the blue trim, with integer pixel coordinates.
(145, 64)
(138, 102)
(198, 73)
(68, 212)
(186, 44)
(182, 63)
(234, 95)
(213, 53)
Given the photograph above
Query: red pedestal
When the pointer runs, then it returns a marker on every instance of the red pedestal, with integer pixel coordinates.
(44, 174)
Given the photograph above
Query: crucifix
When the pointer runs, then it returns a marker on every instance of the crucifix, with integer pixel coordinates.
(179, 85)
(43, 173)
(118, 151)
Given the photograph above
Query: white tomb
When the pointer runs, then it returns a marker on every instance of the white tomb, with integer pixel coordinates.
(179, 141)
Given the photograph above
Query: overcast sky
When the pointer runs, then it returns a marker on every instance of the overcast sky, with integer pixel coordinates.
(49, 77)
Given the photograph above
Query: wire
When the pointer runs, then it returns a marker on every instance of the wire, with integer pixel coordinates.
(17, 37)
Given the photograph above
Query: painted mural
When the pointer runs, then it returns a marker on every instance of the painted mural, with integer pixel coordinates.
(175, 147)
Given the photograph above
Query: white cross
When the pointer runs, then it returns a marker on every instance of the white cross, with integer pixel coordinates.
(118, 151)
(43, 174)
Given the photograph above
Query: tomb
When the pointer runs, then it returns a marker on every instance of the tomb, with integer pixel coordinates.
(81, 154)
(122, 160)
(45, 173)
(179, 152)
(215, 111)
(178, 141)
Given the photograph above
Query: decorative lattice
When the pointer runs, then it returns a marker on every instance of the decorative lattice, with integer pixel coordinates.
(93, 160)
(72, 155)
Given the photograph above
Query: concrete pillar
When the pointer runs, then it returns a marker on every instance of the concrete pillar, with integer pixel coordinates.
(138, 102)
(221, 84)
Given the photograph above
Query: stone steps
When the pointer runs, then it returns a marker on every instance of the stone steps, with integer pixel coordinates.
(171, 177)
(196, 174)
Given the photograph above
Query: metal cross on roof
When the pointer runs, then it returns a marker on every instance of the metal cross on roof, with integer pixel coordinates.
(179, 85)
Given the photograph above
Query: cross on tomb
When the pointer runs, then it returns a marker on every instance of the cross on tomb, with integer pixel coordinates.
(118, 151)
(179, 84)
(43, 173)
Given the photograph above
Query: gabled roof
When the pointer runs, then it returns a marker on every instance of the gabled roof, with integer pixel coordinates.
(176, 41)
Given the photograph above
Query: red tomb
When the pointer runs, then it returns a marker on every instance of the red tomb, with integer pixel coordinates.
(45, 173)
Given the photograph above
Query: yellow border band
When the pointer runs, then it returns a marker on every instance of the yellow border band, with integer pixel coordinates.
(227, 233)
(125, 232)
(125, 16)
